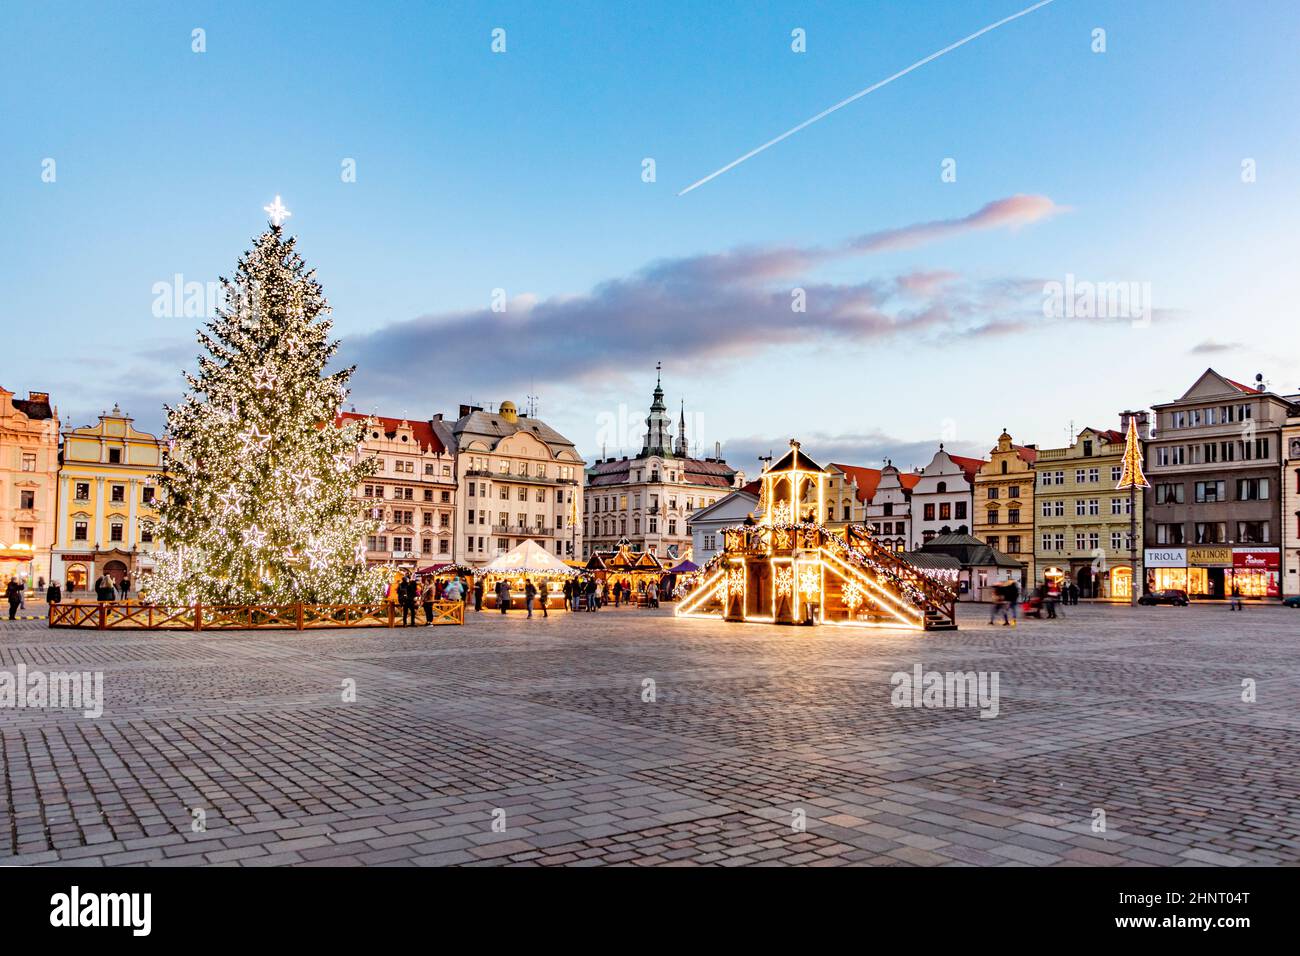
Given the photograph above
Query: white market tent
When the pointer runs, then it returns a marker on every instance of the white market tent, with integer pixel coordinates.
(528, 558)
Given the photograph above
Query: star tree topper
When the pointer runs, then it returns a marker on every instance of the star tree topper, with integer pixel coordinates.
(277, 212)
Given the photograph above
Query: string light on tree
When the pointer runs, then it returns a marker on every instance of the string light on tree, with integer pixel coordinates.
(254, 440)
(255, 527)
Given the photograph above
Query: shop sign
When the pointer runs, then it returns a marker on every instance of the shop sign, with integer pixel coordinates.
(1259, 559)
(1165, 558)
(1209, 557)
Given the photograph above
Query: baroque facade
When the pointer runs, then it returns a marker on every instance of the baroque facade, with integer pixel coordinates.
(107, 509)
(1004, 502)
(519, 480)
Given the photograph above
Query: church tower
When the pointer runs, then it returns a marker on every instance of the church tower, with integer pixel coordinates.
(682, 450)
(658, 434)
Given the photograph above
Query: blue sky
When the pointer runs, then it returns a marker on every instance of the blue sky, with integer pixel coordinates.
(522, 171)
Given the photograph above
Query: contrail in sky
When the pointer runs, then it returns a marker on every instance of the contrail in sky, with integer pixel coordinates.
(861, 93)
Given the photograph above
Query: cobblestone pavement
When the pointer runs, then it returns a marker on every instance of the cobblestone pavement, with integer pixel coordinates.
(541, 726)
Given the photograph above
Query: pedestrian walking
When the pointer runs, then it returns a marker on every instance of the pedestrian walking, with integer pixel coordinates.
(999, 602)
(503, 595)
(14, 592)
(1236, 604)
(1013, 598)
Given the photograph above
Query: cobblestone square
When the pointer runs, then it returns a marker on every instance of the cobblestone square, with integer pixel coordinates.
(762, 745)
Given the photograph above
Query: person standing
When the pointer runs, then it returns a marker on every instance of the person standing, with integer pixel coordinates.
(530, 595)
(503, 595)
(53, 595)
(406, 595)
(478, 593)
(124, 587)
(14, 592)
(428, 591)
(1236, 604)
(1013, 598)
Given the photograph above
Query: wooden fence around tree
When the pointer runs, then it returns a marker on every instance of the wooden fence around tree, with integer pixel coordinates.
(127, 615)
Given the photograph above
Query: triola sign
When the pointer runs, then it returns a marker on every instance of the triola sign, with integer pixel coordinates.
(1165, 558)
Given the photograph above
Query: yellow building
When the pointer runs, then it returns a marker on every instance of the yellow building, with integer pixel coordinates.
(106, 504)
(1004, 502)
(29, 461)
(1082, 522)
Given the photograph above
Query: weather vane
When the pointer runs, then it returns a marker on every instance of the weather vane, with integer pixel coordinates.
(277, 212)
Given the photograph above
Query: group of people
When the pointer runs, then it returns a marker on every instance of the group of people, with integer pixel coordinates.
(409, 593)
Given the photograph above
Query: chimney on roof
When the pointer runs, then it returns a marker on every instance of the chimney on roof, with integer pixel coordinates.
(1141, 417)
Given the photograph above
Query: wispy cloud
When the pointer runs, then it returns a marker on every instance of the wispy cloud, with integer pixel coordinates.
(708, 308)
(1211, 347)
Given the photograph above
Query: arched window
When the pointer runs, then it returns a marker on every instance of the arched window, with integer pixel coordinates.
(943, 486)
(1004, 468)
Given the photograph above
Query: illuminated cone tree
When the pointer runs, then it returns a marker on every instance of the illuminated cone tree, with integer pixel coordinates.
(257, 495)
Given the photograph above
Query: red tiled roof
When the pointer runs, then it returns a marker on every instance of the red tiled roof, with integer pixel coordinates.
(969, 465)
(422, 432)
(1026, 454)
(1244, 388)
(866, 479)
(755, 487)
(908, 480)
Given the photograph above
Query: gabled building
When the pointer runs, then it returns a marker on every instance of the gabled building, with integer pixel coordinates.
(943, 497)
(889, 512)
(519, 479)
(107, 509)
(879, 498)
(707, 523)
(1004, 502)
(1214, 518)
(412, 493)
(650, 500)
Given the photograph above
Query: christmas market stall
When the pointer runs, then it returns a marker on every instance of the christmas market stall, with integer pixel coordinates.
(527, 562)
(783, 567)
(637, 569)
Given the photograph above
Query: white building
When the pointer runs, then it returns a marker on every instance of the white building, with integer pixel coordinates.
(707, 524)
(943, 497)
(519, 479)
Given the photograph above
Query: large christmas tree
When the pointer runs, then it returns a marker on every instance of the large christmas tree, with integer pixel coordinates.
(258, 490)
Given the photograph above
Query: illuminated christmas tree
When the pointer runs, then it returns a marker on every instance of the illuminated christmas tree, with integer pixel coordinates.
(258, 490)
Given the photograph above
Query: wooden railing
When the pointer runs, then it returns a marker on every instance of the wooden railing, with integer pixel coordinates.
(940, 597)
(129, 615)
